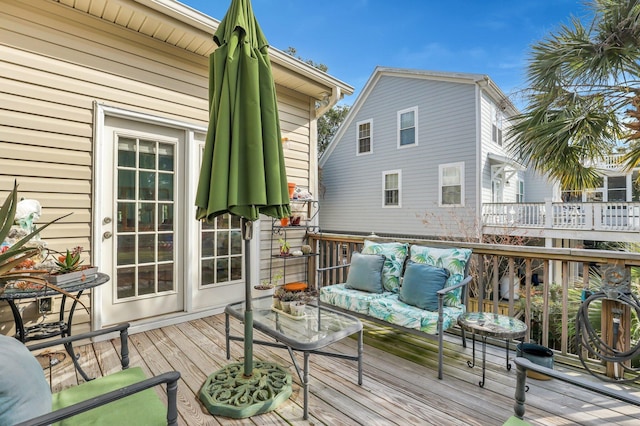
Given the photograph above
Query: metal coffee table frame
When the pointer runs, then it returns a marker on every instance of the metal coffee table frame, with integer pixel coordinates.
(491, 325)
(327, 326)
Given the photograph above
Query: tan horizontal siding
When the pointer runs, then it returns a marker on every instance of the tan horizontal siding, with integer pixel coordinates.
(45, 183)
(44, 139)
(28, 167)
(113, 51)
(90, 85)
(14, 151)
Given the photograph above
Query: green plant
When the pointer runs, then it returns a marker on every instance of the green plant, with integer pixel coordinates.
(284, 245)
(69, 262)
(12, 257)
(290, 296)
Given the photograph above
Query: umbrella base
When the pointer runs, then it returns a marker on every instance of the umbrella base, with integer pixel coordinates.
(228, 393)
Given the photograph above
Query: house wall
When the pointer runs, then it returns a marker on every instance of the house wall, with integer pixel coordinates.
(352, 200)
(538, 189)
(56, 62)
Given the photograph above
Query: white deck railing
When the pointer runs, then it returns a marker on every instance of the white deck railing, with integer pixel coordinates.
(616, 216)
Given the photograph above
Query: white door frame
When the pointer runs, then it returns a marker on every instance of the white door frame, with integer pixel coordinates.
(190, 275)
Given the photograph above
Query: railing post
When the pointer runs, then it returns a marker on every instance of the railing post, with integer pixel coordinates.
(597, 216)
(548, 209)
(589, 216)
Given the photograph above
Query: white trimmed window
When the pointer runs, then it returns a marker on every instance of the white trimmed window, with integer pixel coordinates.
(451, 184)
(408, 127)
(496, 126)
(520, 193)
(364, 131)
(391, 187)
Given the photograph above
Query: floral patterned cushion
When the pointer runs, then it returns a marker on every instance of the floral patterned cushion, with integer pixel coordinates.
(392, 310)
(395, 255)
(454, 260)
(353, 300)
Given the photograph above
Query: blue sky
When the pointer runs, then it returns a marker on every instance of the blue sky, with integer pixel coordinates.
(352, 37)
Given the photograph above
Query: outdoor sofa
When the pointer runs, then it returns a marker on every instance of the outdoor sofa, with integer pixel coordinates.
(414, 288)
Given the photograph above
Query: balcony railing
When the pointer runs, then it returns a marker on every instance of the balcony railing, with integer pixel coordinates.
(547, 283)
(615, 216)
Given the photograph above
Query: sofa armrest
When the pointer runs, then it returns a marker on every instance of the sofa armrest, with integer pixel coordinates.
(332, 268)
(170, 379)
(446, 290)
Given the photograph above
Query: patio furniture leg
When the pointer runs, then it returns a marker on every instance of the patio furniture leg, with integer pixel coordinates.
(484, 359)
(472, 363)
(521, 380)
(507, 346)
(305, 386)
(464, 338)
(227, 330)
(360, 350)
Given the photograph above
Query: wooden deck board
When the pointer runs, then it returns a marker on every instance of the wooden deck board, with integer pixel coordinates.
(400, 384)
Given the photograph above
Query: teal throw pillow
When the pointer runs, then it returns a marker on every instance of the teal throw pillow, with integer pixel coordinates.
(365, 273)
(420, 285)
(395, 254)
(453, 260)
(24, 391)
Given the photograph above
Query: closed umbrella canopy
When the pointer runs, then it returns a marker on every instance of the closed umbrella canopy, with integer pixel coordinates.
(243, 173)
(243, 169)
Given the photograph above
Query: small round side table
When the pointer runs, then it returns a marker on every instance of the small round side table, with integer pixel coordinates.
(491, 325)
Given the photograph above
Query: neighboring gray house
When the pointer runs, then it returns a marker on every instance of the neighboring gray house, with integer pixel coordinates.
(423, 153)
(418, 154)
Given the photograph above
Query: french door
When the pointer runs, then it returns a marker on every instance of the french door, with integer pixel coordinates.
(141, 209)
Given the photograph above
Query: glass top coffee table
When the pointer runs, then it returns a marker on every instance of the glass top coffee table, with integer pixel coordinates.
(318, 327)
(491, 325)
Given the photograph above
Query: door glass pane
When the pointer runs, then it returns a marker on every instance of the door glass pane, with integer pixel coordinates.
(127, 184)
(165, 158)
(126, 278)
(146, 280)
(222, 270)
(145, 223)
(236, 268)
(147, 186)
(165, 186)
(126, 217)
(221, 254)
(147, 155)
(126, 152)
(146, 248)
(126, 250)
(165, 277)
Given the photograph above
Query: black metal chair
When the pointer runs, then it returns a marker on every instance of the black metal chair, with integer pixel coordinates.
(129, 393)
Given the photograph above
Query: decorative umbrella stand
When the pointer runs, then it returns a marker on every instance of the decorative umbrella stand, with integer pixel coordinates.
(243, 173)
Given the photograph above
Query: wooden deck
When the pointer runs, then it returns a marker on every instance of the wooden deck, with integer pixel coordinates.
(398, 388)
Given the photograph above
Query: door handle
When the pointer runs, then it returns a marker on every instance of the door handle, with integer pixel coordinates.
(107, 235)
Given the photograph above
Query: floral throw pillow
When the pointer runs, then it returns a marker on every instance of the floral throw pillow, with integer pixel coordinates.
(395, 255)
(453, 260)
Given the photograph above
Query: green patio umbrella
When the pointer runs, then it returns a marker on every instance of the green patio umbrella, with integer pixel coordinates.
(243, 173)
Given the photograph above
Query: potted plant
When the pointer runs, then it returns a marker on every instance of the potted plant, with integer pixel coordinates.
(277, 295)
(266, 287)
(68, 267)
(286, 299)
(297, 308)
(284, 247)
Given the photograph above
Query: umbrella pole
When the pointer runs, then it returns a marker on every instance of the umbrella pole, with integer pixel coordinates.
(240, 390)
(247, 231)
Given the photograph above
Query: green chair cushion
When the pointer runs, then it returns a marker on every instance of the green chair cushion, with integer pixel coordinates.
(143, 408)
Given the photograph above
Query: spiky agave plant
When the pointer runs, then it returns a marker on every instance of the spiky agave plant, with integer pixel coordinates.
(19, 251)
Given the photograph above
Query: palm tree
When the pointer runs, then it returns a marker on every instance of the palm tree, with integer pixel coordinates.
(582, 81)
